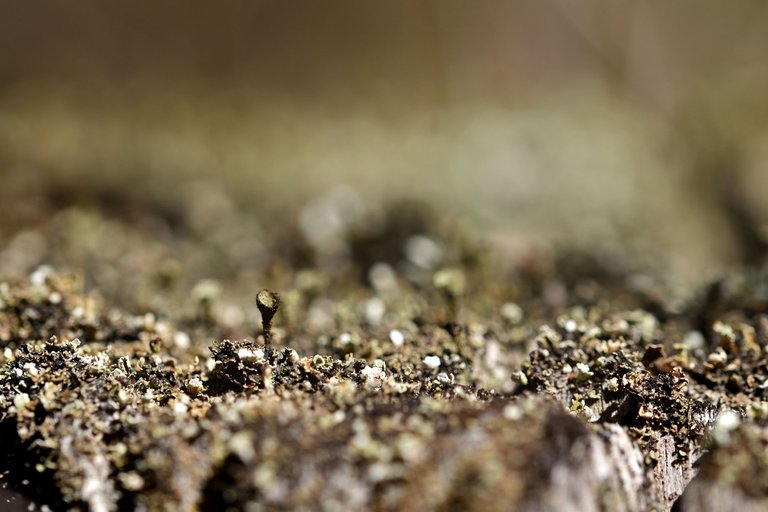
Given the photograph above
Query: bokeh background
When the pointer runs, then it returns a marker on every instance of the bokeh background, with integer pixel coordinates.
(133, 132)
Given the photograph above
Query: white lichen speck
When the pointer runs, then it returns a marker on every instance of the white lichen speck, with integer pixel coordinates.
(396, 337)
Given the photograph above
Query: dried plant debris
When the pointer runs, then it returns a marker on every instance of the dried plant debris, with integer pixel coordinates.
(422, 384)
(610, 371)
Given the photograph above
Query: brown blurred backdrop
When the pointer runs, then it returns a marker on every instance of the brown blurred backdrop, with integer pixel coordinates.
(586, 122)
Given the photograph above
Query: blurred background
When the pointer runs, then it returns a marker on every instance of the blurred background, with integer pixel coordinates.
(133, 134)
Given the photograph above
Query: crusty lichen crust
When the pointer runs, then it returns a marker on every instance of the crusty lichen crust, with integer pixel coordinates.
(528, 387)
